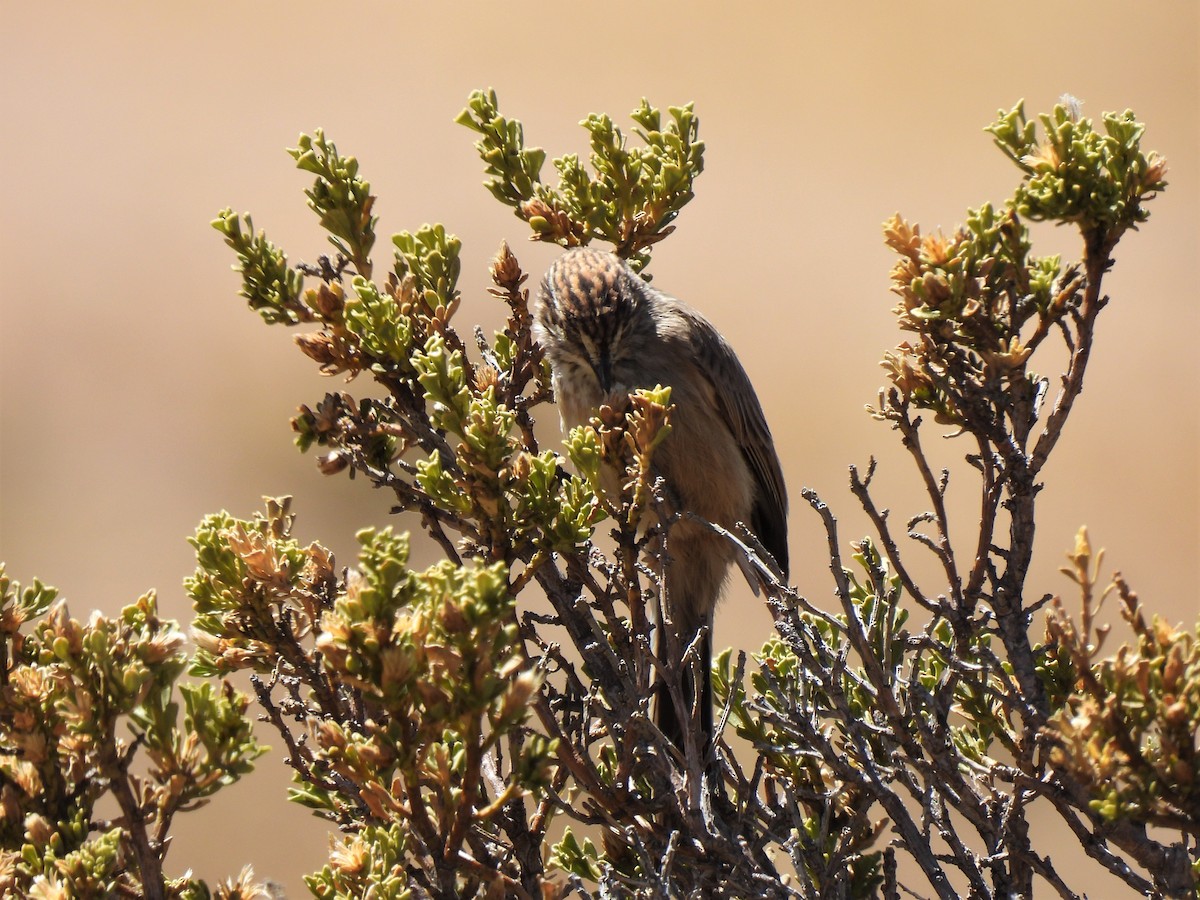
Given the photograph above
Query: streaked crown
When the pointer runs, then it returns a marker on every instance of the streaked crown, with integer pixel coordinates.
(589, 293)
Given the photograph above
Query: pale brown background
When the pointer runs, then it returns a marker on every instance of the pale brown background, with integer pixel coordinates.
(139, 394)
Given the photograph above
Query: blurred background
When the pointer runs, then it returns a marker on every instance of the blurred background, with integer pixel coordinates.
(140, 394)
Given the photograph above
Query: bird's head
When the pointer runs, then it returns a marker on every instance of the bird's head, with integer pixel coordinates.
(588, 313)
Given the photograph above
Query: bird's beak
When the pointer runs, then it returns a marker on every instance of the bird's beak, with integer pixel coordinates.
(603, 370)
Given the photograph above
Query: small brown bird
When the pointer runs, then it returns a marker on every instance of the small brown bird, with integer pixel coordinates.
(606, 330)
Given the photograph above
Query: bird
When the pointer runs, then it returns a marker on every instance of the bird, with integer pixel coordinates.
(606, 331)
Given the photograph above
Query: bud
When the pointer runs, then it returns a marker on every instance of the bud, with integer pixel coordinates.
(506, 271)
(537, 209)
(132, 679)
(1156, 171)
(61, 648)
(332, 462)
(328, 301)
(521, 467)
(320, 563)
(38, 830)
(317, 347)
(550, 224)
(330, 736)
(404, 291)
(516, 700)
(1177, 713)
(1173, 670)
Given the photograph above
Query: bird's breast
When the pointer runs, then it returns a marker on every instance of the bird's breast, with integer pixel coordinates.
(701, 462)
(578, 397)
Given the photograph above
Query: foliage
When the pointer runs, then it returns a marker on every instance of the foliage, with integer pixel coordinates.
(413, 679)
(629, 199)
(82, 705)
(483, 728)
(1127, 728)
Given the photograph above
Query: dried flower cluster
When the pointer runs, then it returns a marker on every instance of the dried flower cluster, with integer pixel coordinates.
(90, 721)
(1127, 723)
(402, 683)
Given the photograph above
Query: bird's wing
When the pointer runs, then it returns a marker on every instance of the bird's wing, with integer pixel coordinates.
(741, 409)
